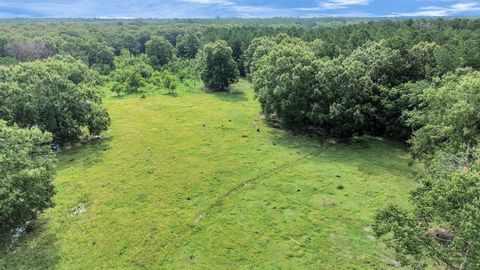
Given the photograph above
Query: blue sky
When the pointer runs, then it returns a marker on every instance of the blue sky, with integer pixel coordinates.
(234, 8)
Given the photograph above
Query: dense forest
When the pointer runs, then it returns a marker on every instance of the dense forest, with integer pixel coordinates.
(415, 81)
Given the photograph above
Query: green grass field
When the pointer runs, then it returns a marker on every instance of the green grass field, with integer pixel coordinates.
(188, 182)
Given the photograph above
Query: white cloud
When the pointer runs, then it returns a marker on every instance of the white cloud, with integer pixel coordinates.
(242, 10)
(335, 4)
(436, 11)
(225, 8)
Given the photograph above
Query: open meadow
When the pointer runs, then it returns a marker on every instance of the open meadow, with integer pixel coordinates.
(199, 181)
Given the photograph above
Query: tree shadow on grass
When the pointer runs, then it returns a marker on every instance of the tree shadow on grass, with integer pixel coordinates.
(34, 250)
(85, 154)
(371, 155)
(234, 94)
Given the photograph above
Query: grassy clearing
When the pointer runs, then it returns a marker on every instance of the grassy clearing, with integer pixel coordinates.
(187, 182)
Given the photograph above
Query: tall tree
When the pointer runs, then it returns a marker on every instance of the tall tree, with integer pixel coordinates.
(448, 117)
(159, 51)
(284, 82)
(333, 96)
(188, 45)
(257, 49)
(384, 65)
(217, 67)
(421, 60)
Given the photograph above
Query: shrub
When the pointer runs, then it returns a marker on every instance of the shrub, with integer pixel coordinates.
(131, 73)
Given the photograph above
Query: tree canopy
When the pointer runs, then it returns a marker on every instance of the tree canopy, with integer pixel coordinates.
(444, 224)
(188, 45)
(217, 68)
(27, 166)
(159, 51)
(58, 95)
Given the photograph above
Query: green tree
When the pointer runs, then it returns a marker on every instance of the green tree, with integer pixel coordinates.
(447, 59)
(258, 48)
(470, 50)
(26, 172)
(421, 59)
(384, 65)
(6, 98)
(124, 39)
(284, 81)
(169, 83)
(323, 49)
(159, 51)
(261, 46)
(58, 95)
(218, 70)
(96, 54)
(188, 46)
(131, 73)
(335, 96)
(100, 56)
(448, 116)
(344, 98)
(444, 225)
(395, 103)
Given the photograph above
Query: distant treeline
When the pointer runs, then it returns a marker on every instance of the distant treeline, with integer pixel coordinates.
(93, 40)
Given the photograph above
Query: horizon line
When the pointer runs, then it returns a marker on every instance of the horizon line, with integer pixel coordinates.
(238, 18)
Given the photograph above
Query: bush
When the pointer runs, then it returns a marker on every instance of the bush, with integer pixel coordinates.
(169, 83)
(131, 73)
(26, 172)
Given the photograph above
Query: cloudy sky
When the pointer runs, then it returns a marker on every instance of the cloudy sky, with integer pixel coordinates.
(233, 8)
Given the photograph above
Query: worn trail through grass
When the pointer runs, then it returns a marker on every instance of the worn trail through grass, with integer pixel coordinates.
(217, 204)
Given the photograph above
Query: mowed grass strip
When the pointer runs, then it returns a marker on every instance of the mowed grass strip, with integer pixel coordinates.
(198, 181)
